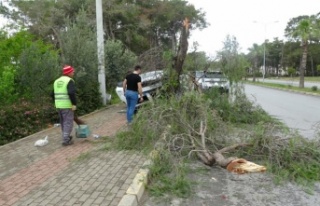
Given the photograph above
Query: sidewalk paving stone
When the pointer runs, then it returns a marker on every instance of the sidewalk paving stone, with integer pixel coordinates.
(80, 174)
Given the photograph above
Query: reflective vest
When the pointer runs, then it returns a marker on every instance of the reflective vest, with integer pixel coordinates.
(61, 97)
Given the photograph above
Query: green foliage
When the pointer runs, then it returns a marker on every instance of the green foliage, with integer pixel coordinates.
(233, 65)
(12, 47)
(37, 69)
(68, 25)
(295, 159)
(169, 83)
(240, 110)
(7, 87)
(24, 118)
(25, 78)
(138, 25)
(274, 52)
(314, 88)
(196, 61)
(136, 138)
(79, 50)
(118, 62)
(291, 71)
(168, 177)
(174, 125)
(24, 67)
(114, 97)
(168, 120)
(303, 28)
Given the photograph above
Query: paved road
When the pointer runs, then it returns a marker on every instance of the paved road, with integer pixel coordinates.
(298, 111)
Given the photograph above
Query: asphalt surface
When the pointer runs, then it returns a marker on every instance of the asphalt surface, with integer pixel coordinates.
(297, 110)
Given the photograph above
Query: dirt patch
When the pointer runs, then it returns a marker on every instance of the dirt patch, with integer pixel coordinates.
(216, 186)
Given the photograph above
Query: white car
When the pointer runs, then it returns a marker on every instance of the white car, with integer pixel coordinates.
(212, 79)
(151, 81)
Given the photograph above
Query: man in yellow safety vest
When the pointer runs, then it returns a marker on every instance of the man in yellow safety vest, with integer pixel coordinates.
(65, 101)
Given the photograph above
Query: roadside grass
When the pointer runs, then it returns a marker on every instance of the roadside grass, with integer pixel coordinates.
(297, 78)
(174, 124)
(295, 159)
(83, 156)
(137, 136)
(168, 177)
(114, 97)
(108, 143)
(313, 89)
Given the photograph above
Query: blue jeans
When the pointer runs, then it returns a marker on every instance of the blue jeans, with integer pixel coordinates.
(132, 100)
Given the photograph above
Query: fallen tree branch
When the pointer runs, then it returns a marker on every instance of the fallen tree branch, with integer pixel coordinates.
(233, 147)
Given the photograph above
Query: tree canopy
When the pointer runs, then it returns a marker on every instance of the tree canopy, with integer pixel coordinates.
(139, 25)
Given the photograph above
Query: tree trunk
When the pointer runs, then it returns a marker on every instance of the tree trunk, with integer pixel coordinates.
(206, 156)
(254, 69)
(217, 157)
(312, 69)
(303, 63)
(181, 53)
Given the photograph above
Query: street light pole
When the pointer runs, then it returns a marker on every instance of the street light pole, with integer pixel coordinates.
(264, 45)
(100, 46)
(264, 53)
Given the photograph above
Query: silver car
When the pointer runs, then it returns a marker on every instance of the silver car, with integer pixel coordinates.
(212, 79)
(151, 81)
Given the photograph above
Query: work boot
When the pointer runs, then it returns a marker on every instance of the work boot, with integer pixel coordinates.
(67, 143)
(70, 142)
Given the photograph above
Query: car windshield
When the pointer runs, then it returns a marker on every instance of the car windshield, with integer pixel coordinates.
(216, 75)
(153, 75)
(211, 75)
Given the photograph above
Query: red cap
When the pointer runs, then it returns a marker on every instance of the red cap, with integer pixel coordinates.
(67, 70)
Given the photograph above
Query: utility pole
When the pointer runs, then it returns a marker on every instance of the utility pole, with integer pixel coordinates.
(264, 46)
(264, 52)
(100, 47)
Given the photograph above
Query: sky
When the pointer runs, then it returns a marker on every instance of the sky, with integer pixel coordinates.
(236, 18)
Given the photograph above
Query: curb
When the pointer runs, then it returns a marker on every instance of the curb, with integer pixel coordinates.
(137, 187)
(139, 182)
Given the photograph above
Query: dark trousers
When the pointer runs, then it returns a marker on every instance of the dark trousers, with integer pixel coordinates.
(66, 121)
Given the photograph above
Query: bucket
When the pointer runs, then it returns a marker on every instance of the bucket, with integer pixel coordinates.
(82, 131)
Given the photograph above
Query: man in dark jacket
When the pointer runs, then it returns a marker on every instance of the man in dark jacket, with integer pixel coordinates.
(132, 88)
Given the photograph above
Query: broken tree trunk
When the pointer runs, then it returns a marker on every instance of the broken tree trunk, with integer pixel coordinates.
(179, 58)
(217, 157)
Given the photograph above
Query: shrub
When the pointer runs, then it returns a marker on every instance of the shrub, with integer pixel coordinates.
(7, 86)
(24, 118)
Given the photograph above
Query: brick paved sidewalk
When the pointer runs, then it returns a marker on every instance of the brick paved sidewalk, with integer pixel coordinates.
(81, 174)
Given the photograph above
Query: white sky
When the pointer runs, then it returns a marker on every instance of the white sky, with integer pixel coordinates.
(236, 17)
